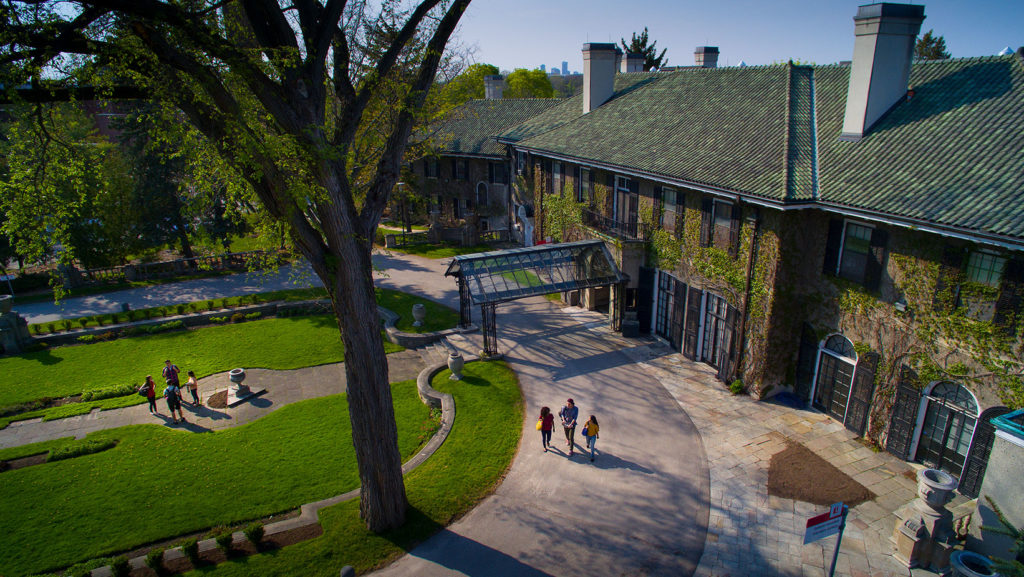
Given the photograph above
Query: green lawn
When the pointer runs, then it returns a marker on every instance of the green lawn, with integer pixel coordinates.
(158, 483)
(441, 250)
(464, 470)
(287, 343)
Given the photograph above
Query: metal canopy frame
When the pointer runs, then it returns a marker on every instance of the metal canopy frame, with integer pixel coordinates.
(489, 278)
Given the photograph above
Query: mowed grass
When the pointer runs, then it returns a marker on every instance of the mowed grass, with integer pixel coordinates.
(159, 483)
(280, 343)
(467, 467)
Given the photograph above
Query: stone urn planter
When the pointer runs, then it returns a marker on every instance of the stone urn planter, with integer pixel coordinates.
(419, 312)
(6, 302)
(237, 389)
(456, 363)
(968, 564)
(935, 487)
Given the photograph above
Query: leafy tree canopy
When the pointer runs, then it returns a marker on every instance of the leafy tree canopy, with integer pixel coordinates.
(930, 47)
(639, 45)
(465, 86)
(523, 83)
(310, 102)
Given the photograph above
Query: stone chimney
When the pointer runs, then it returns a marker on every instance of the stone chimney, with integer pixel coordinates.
(598, 74)
(706, 56)
(494, 86)
(632, 62)
(882, 53)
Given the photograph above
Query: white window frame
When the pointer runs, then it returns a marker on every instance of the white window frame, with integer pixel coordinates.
(842, 243)
(584, 193)
(817, 366)
(556, 177)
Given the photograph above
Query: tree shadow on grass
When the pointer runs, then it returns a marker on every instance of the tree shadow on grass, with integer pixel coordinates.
(44, 357)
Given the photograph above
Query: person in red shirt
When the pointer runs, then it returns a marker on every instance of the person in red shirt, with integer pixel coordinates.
(547, 423)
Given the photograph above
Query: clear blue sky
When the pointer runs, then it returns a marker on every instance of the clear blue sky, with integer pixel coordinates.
(528, 33)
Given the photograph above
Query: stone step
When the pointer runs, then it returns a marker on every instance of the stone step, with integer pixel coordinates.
(434, 353)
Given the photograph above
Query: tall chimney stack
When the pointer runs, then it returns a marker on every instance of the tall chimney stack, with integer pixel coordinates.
(598, 74)
(632, 62)
(882, 53)
(494, 86)
(706, 56)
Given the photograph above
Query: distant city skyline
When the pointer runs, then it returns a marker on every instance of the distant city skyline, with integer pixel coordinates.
(531, 33)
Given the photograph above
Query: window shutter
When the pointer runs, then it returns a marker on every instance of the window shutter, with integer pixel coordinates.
(904, 415)
(947, 286)
(876, 259)
(610, 181)
(835, 240)
(634, 186)
(734, 229)
(490, 172)
(1008, 311)
(707, 205)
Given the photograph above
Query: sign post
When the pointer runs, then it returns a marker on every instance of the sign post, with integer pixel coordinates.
(827, 524)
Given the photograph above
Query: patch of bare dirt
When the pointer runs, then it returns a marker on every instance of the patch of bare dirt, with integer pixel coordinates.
(798, 473)
(218, 400)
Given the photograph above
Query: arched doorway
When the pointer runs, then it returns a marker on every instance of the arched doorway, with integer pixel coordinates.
(950, 417)
(837, 361)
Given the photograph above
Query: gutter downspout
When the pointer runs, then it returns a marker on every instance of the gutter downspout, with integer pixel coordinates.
(746, 298)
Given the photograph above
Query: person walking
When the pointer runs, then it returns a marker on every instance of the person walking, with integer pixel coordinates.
(547, 423)
(173, 395)
(590, 434)
(569, 413)
(193, 386)
(149, 387)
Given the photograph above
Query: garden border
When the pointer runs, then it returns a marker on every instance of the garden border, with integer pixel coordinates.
(309, 514)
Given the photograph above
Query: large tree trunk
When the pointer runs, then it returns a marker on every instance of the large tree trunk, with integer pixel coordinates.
(371, 411)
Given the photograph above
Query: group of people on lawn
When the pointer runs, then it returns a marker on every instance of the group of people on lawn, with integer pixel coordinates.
(173, 393)
(569, 415)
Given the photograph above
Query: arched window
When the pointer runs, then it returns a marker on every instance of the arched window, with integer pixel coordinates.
(837, 361)
(481, 194)
(950, 418)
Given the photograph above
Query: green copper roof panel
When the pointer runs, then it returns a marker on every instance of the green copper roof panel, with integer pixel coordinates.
(470, 128)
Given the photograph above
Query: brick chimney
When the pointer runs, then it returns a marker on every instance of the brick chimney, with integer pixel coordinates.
(598, 74)
(882, 54)
(706, 56)
(632, 62)
(494, 86)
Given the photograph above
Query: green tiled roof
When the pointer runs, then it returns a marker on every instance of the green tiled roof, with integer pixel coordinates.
(572, 108)
(953, 155)
(725, 127)
(470, 128)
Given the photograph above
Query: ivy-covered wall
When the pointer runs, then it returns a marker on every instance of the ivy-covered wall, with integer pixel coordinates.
(940, 341)
(452, 190)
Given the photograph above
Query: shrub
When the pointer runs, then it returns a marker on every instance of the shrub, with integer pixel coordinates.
(736, 387)
(254, 533)
(155, 560)
(86, 339)
(180, 309)
(223, 540)
(148, 313)
(190, 548)
(34, 329)
(169, 326)
(237, 317)
(113, 318)
(50, 327)
(87, 447)
(119, 567)
(218, 319)
(193, 307)
(110, 392)
(253, 316)
(66, 324)
(209, 305)
(84, 321)
(99, 320)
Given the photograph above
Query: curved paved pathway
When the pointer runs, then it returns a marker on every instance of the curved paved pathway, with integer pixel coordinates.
(640, 509)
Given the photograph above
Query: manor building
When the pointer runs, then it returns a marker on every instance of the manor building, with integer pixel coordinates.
(850, 234)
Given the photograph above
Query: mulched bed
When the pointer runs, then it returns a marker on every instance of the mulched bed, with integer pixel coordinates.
(21, 462)
(797, 473)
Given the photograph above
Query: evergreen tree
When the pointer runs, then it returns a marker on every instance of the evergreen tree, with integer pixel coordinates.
(638, 45)
(930, 47)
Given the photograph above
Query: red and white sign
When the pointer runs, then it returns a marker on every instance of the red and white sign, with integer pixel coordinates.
(824, 525)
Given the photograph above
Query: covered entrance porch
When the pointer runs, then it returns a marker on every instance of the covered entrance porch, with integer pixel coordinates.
(489, 278)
